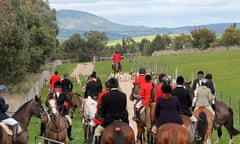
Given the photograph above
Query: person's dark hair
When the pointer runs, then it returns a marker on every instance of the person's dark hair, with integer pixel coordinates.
(113, 83)
(56, 72)
(200, 72)
(166, 89)
(57, 84)
(107, 84)
(94, 73)
(116, 51)
(142, 70)
(208, 76)
(180, 80)
(92, 76)
(161, 75)
(66, 75)
(148, 78)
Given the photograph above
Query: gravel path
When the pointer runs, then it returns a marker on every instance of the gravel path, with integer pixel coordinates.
(83, 69)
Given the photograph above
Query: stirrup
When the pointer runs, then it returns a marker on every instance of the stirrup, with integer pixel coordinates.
(198, 138)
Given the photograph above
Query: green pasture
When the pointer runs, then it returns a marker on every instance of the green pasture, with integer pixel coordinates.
(224, 66)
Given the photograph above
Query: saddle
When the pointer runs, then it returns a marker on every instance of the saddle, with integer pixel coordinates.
(8, 130)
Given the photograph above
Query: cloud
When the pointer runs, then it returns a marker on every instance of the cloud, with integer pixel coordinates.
(157, 13)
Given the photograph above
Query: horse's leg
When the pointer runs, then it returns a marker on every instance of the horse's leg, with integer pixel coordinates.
(139, 134)
(219, 132)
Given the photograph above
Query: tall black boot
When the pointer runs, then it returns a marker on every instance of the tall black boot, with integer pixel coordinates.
(42, 128)
(70, 137)
(152, 138)
(91, 134)
(97, 139)
(136, 117)
(14, 129)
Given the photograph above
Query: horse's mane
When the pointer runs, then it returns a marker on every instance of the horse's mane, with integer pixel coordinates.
(22, 106)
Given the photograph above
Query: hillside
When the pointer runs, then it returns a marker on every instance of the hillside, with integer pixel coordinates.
(71, 21)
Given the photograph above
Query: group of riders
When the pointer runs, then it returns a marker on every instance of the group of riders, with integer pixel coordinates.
(171, 101)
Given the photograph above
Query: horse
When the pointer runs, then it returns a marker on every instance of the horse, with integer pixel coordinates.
(171, 133)
(224, 117)
(202, 126)
(76, 102)
(187, 122)
(55, 124)
(117, 68)
(209, 115)
(23, 116)
(89, 111)
(118, 132)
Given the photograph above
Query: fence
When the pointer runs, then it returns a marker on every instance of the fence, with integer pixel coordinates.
(36, 89)
(40, 140)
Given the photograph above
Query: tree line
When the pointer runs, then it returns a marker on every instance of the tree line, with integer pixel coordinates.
(83, 48)
(28, 33)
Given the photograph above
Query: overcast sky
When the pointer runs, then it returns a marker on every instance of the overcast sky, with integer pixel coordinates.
(157, 13)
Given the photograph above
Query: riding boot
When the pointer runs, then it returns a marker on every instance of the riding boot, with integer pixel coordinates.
(91, 134)
(136, 117)
(196, 132)
(70, 137)
(97, 139)
(42, 128)
(14, 129)
(152, 138)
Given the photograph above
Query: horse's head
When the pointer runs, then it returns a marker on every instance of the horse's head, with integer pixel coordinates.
(52, 103)
(37, 107)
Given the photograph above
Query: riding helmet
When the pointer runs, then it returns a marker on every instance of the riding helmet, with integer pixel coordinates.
(166, 80)
(142, 70)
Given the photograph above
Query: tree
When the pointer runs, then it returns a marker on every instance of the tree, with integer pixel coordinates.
(144, 47)
(202, 38)
(181, 41)
(160, 43)
(231, 36)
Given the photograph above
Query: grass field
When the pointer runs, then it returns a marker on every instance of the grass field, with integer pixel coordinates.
(224, 66)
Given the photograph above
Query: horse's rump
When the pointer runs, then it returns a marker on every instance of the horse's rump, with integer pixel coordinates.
(90, 108)
(118, 132)
(172, 134)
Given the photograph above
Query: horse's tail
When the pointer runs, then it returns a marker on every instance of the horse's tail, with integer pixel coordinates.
(230, 124)
(118, 136)
(202, 124)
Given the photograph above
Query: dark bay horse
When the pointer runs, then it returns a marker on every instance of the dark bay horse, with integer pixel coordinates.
(172, 134)
(56, 125)
(23, 116)
(118, 133)
(224, 117)
(117, 68)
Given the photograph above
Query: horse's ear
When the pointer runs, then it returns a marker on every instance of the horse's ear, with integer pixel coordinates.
(36, 98)
(189, 82)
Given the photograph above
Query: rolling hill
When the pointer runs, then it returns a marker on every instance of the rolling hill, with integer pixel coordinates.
(72, 21)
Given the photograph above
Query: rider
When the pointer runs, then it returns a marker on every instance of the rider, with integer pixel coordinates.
(53, 79)
(98, 79)
(167, 111)
(210, 83)
(197, 82)
(184, 97)
(92, 88)
(117, 58)
(67, 85)
(63, 103)
(145, 93)
(113, 107)
(12, 123)
(164, 80)
(205, 98)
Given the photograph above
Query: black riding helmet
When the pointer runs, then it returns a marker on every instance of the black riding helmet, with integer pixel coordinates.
(166, 80)
(142, 70)
(107, 84)
(204, 82)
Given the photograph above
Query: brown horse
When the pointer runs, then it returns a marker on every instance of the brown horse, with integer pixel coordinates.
(172, 134)
(117, 68)
(76, 101)
(118, 133)
(196, 112)
(224, 117)
(56, 125)
(202, 126)
(23, 116)
(188, 125)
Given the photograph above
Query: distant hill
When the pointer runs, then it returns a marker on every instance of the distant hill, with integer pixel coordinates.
(71, 21)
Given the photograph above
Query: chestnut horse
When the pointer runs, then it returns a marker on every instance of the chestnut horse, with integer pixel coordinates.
(172, 134)
(224, 117)
(202, 126)
(118, 132)
(23, 116)
(210, 119)
(56, 125)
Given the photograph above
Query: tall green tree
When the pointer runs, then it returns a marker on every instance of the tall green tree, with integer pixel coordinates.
(182, 41)
(203, 37)
(231, 36)
(160, 42)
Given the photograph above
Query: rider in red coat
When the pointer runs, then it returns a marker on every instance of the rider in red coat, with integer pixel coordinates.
(117, 58)
(54, 78)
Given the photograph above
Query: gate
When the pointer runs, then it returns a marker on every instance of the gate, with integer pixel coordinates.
(41, 139)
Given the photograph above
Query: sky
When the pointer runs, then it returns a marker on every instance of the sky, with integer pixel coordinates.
(157, 13)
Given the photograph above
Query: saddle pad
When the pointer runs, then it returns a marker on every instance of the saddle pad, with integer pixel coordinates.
(9, 131)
